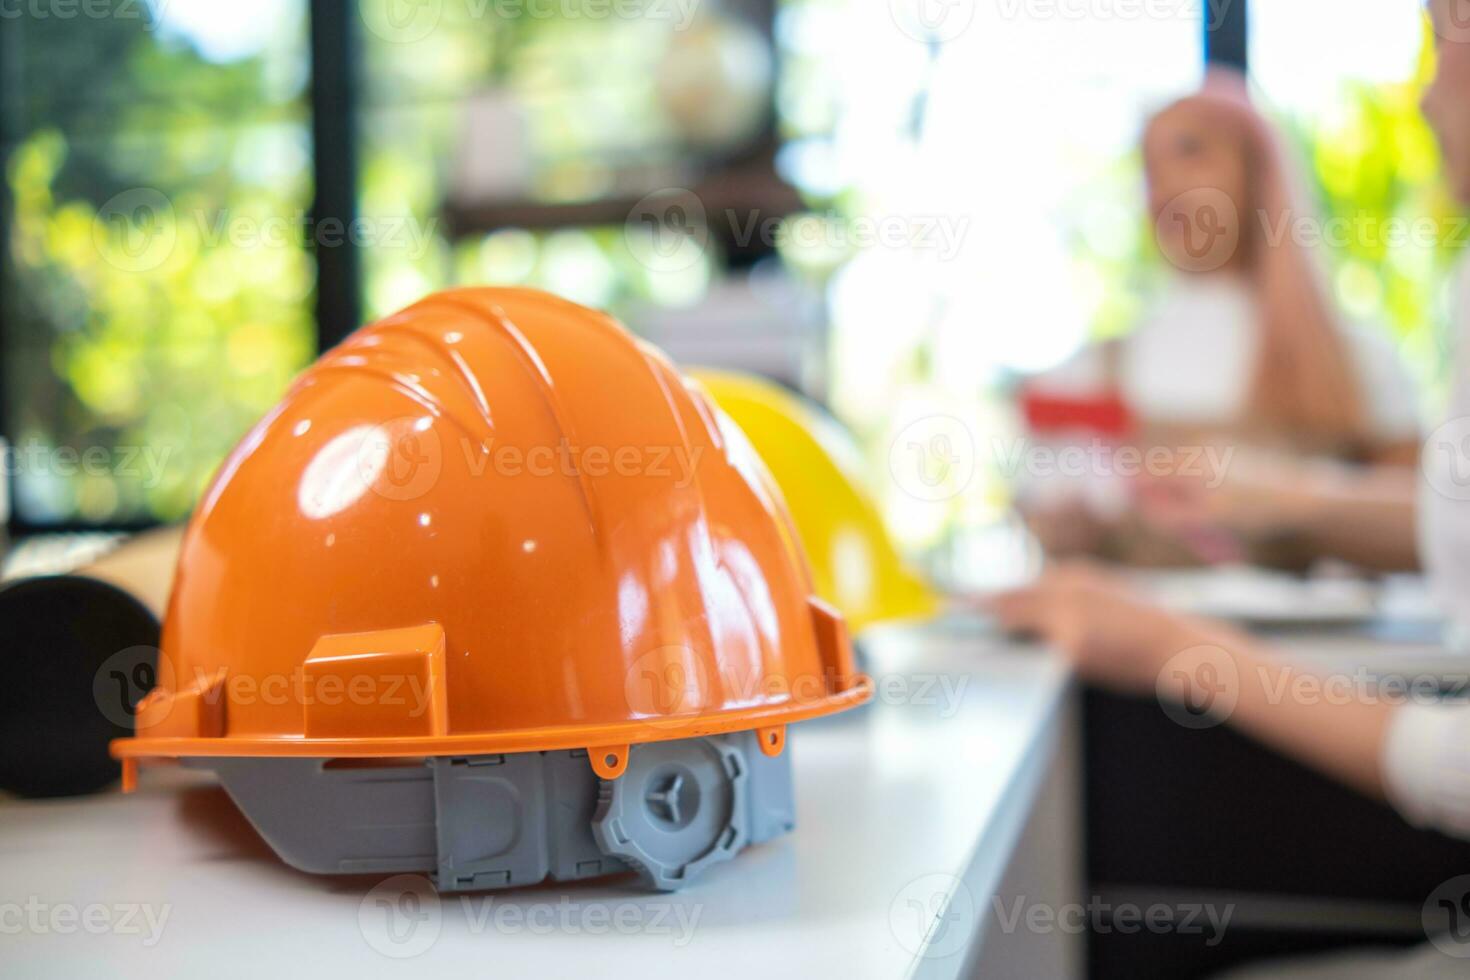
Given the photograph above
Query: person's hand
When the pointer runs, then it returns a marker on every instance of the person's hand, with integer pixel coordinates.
(1257, 496)
(1064, 528)
(1112, 637)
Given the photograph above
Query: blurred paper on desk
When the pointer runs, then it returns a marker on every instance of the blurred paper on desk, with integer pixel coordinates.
(765, 323)
(1257, 597)
(493, 162)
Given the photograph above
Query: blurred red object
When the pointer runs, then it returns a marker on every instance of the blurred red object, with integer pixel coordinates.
(1105, 415)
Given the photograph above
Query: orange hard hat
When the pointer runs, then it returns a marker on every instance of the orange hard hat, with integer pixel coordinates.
(493, 523)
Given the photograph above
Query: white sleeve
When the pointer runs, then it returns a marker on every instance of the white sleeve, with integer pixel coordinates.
(1389, 391)
(1426, 766)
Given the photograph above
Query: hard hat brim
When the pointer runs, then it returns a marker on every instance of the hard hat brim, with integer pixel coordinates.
(763, 718)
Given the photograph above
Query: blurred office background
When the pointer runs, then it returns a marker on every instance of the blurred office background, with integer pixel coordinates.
(958, 204)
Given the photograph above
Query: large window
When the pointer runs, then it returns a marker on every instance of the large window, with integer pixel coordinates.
(961, 197)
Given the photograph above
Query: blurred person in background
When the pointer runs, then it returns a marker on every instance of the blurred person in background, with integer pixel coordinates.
(1414, 755)
(1245, 348)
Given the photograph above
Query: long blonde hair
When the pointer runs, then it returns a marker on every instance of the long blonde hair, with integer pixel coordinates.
(1306, 389)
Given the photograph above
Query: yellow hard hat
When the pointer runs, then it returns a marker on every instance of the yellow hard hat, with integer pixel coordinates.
(816, 463)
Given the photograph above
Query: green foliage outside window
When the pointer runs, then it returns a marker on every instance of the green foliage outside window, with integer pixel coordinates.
(1395, 232)
(160, 293)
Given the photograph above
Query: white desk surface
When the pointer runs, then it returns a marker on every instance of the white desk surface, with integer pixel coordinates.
(896, 805)
(902, 807)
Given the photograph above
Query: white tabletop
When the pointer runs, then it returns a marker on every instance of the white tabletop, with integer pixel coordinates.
(902, 806)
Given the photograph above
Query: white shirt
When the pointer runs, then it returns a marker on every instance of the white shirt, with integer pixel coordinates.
(1191, 362)
(1444, 491)
(1426, 754)
(1426, 766)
